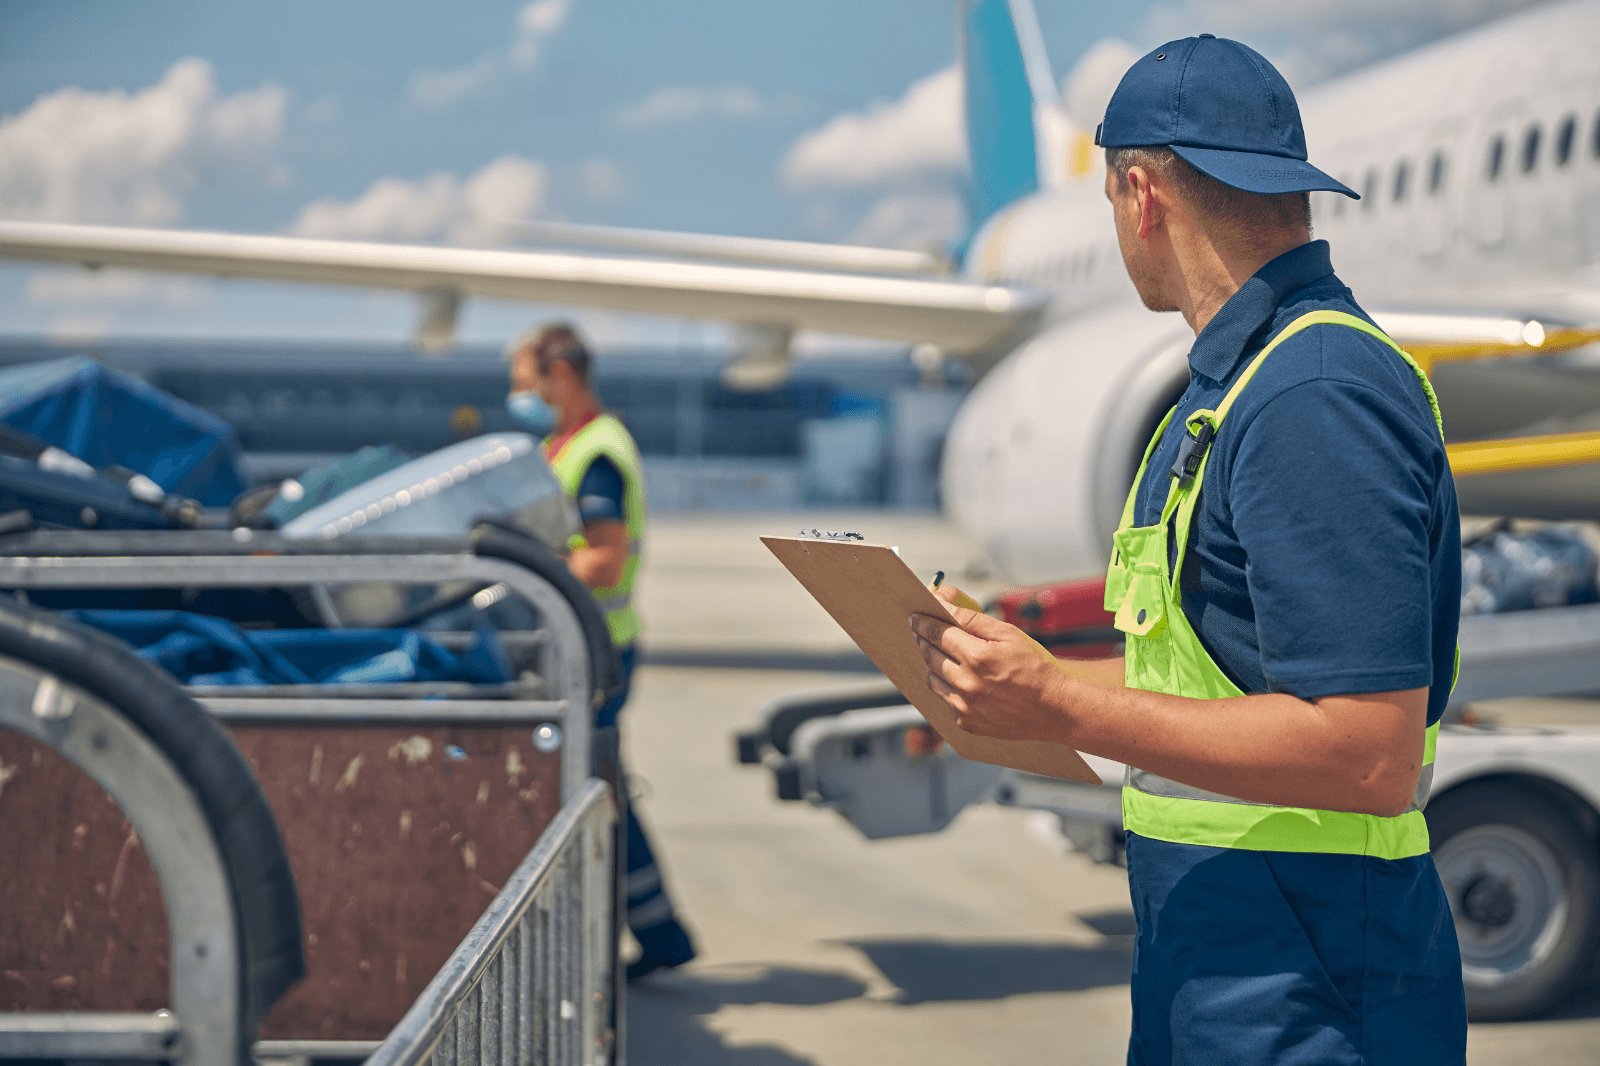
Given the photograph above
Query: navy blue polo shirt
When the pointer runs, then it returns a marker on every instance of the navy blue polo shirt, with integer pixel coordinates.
(600, 493)
(1325, 556)
(1325, 559)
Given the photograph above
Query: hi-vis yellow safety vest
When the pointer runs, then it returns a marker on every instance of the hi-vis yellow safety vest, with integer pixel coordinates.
(1165, 655)
(606, 436)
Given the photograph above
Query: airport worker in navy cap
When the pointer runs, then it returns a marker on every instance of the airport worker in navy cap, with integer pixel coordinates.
(1288, 579)
(597, 462)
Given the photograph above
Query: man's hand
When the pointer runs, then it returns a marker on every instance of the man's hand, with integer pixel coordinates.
(998, 681)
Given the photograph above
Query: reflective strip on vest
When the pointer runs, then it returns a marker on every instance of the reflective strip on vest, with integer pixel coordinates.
(606, 436)
(1164, 654)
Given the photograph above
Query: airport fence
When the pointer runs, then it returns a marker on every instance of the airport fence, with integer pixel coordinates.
(532, 982)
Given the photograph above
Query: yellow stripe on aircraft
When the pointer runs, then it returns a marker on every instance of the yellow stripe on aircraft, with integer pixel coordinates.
(1523, 453)
(1080, 154)
(1541, 342)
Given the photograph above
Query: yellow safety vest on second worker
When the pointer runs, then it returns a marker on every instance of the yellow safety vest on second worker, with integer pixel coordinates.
(1164, 654)
(606, 436)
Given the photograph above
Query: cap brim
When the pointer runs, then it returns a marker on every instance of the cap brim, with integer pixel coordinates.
(1258, 172)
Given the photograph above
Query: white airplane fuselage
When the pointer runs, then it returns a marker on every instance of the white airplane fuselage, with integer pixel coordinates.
(1478, 161)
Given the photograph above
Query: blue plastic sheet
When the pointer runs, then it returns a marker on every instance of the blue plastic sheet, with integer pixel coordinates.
(1506, 570)
(107, 418)
(199, 650)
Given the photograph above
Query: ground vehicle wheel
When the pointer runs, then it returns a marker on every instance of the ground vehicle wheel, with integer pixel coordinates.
(1523, 881)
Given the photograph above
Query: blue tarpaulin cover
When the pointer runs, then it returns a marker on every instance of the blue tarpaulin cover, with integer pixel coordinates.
(199, 650)
(107, 418)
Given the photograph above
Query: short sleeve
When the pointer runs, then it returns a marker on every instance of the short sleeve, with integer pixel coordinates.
(1331, 491)
(600, 493)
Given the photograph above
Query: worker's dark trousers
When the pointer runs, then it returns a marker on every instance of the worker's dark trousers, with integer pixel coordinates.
(650, 913)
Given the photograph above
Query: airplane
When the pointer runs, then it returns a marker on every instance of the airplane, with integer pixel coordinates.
(1476, 245)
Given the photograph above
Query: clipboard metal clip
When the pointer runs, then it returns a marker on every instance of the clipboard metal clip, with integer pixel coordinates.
(817, 534)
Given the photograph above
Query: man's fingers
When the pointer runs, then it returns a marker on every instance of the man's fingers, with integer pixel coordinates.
(956, 598)
(981, 625)
(943, 689)
(932, 654)
(950, 673)
(951, 639)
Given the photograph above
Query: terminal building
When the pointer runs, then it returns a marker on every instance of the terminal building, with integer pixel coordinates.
(844, 430)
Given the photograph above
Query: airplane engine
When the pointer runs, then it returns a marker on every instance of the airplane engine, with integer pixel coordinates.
(1039, 460)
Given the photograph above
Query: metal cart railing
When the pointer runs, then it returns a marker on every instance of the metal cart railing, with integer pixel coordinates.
(562, 896)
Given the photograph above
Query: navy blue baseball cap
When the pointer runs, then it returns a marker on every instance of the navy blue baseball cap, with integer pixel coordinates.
(1223, 109)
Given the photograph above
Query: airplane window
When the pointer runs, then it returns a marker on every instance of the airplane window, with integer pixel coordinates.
(1597, 134)
(1369, 190)
(1402, 178)
(1497, 157)
(1569, 127)
(1530, 148)
(1436, 174)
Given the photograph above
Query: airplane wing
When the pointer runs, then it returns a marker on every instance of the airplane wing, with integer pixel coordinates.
(751, 251)
(958, 316)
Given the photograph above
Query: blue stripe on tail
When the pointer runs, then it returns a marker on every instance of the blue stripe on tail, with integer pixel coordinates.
(1001, 136)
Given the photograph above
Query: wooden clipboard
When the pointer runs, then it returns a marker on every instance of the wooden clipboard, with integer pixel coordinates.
(872, 594)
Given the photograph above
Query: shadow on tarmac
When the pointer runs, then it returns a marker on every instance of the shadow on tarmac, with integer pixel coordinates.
(1583, 1003)
(932, 971)
(667, 1012)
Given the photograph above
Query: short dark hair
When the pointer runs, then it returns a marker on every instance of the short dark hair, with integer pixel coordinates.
(557, 342)
(1251, 214)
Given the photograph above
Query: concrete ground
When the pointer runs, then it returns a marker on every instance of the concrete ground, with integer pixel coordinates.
(987, 943)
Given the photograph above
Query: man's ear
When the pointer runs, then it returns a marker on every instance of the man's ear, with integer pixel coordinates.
(1151, 210)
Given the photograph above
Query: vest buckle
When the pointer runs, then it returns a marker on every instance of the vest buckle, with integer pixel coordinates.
(1191, 452)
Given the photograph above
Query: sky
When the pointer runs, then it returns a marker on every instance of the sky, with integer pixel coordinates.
(427, 122)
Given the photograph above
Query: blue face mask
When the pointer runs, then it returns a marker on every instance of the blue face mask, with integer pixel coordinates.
(529, 408)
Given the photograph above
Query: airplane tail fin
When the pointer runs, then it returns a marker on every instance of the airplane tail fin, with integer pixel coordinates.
(1018, 134)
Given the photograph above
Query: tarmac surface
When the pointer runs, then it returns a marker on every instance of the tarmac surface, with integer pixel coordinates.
(987, 943)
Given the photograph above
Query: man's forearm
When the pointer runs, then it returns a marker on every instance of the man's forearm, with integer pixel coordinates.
(600, 563)
(1349, 753)
(1108, 673)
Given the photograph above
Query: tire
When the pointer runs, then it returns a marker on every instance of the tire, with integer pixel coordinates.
(1523, 881)
(493, 540)
(265, 898)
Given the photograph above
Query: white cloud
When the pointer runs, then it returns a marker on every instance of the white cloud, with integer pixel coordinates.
(681, 104)
(1087, 90)
(1312, 40)
(916, 136)
(440, 90)
(431, 89)
(911, 220)
(76, 155)
(536, 23)
(438, 207)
